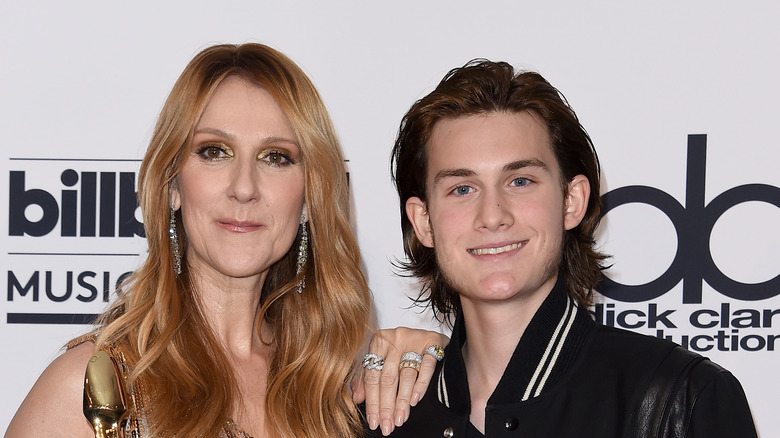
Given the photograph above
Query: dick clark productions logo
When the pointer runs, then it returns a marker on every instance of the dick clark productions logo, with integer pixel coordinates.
(693, 224)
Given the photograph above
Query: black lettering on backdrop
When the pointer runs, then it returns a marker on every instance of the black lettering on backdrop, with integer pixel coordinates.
(88, 204)
(58, 291)
(103, 207)
(693, 224)
(14, 284)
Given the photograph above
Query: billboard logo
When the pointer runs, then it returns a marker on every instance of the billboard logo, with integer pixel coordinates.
(75, 233)
(88, 205)
(693, 224)
(86, 284)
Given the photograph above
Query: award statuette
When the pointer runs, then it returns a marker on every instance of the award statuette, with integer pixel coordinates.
(104, 397)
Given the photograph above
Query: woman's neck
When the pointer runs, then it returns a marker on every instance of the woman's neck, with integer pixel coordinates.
(230, 306)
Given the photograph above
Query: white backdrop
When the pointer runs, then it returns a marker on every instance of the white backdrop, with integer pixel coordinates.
(81, 84)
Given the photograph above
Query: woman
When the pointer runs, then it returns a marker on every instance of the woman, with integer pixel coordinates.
(247, 315)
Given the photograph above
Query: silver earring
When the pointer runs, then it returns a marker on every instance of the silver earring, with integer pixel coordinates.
(303, 249)
(174, 238)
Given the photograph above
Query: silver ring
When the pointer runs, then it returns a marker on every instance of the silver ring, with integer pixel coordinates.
(373, 362)
(412, 356)
(436, 351)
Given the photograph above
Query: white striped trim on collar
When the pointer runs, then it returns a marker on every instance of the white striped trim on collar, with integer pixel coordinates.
(545, 366)
(547, 363)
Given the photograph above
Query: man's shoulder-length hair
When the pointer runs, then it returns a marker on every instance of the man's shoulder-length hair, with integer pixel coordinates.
(480, 87)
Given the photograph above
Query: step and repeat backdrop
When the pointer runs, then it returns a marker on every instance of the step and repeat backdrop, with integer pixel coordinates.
(680, 100)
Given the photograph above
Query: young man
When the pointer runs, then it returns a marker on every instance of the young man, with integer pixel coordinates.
(499, 191)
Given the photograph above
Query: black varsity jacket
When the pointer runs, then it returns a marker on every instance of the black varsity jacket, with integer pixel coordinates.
(571, 377)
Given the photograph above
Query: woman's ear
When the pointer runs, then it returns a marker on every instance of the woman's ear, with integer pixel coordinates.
(174, 195)
(576, 203)
(417, 212)
(304, 214)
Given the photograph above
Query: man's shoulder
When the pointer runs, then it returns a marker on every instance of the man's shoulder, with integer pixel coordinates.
(612, 341)
(617, 351)
(628, 356)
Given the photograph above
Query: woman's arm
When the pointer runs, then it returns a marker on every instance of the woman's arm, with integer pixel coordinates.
(53, 408)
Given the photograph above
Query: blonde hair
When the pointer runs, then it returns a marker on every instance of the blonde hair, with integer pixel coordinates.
(190, 386)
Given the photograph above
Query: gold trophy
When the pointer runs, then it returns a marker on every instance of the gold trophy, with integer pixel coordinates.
(104, 397)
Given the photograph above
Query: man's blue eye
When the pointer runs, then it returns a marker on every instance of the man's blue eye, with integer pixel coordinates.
(520, 182)
(463, 190)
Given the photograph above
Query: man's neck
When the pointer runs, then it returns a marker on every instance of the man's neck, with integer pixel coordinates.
(493, 331)
(492, 335)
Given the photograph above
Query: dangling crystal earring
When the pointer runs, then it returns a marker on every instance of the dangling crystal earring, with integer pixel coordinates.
(303, 249)
(174, 238)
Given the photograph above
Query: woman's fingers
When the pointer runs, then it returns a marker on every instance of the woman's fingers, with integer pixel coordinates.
(380, 380)
(423, 379)
(358, 387)
(391, 389)
(407, 381)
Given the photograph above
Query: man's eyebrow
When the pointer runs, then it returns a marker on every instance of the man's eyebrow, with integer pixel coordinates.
(446, 173)
(514, 165)
(520, 164)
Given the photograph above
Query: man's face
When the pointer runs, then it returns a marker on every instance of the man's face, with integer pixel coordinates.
(496, 211)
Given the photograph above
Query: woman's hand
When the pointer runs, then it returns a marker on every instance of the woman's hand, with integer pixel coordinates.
(389, 393)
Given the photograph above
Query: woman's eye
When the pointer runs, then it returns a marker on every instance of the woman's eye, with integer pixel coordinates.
(276, 158)
(462, 190)
(213, 152)
(520, 182)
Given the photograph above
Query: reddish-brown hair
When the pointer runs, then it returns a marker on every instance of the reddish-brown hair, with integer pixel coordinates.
(157, 321)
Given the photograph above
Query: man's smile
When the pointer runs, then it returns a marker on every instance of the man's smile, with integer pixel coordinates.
(496, 250)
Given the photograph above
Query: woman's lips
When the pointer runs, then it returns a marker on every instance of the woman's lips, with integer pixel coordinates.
(237, 226)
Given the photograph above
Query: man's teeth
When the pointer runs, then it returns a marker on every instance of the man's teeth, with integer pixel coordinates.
(499, 250)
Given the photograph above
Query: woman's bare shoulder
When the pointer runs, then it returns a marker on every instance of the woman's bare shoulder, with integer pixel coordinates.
(53, 408)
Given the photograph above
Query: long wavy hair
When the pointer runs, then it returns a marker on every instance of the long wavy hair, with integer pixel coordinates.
(190, 386)
(482, 87)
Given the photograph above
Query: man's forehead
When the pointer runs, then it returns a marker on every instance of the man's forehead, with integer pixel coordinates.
(497, 140)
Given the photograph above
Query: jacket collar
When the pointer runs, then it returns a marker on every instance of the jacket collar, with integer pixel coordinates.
(546, 351)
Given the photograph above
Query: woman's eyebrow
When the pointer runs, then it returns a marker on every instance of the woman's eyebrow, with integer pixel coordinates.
(224, 134)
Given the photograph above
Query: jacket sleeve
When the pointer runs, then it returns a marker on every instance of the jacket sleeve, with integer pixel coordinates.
(718, 406)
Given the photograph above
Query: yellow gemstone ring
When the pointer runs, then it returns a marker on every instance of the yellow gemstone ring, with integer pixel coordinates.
(436, 351)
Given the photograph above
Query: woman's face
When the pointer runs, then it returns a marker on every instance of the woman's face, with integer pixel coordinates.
(241, 187)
